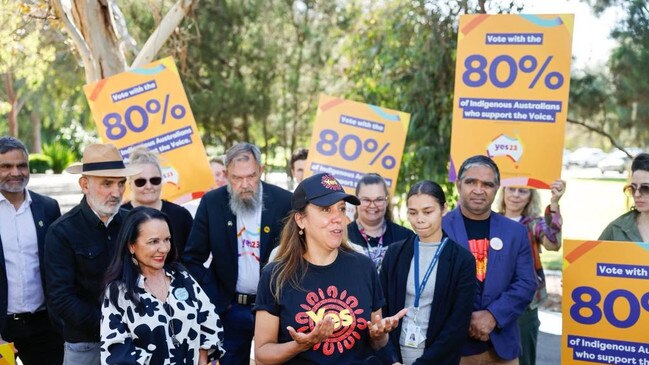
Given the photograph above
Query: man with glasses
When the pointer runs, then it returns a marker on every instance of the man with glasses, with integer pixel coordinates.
(633, 226)
(239, 224)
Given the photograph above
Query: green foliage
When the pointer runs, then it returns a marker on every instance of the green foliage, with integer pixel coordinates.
(39, 163)
(616, 101)
(402, 56)
(61, 155)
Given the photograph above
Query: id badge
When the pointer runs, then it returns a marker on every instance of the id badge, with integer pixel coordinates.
(413, 336)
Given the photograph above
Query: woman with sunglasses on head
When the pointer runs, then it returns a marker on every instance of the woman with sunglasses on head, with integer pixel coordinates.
(153, 311)
(373, 230)
(523, 205)
(633, 226)
(145, 191)
(434, 278)
(319, 302)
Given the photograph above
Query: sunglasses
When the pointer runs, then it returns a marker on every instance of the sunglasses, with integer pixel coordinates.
(140, 182)
(631, 189)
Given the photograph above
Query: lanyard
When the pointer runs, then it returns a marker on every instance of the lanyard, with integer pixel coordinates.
(419, 288)
(376, 255)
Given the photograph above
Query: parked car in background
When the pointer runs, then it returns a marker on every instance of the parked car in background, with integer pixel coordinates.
(618, 160)
(586, 157)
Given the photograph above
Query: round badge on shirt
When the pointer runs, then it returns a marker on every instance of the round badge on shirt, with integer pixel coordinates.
(496, 243)
(181, 294)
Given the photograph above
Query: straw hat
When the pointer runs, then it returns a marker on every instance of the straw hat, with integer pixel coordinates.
(102, 160)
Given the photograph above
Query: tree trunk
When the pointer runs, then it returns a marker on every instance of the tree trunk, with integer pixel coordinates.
(92, 29)
(94, 21)
(164, 30)
(12, 99)
(36, 132)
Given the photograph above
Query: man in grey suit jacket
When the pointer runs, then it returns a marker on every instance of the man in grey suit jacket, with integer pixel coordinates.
(238, 224)
(25, 217)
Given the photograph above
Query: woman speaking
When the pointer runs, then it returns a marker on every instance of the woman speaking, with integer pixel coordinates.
(319, 302)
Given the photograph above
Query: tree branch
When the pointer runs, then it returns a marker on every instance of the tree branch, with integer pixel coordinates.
(163, 31)
(601, 132)
(77, 38)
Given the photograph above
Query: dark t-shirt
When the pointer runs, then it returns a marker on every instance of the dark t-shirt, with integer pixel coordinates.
(477, 231)
(348, 290)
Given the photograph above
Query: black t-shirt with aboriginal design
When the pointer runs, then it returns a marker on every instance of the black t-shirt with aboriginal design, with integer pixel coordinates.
(477, 232)
(348, 290)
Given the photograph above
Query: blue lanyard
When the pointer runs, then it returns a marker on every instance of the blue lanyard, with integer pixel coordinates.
(419, 288)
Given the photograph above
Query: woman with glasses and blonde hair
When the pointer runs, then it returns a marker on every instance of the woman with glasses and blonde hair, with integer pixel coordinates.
(146, 188)
(373, 230)
(524, 205)
(633, 226)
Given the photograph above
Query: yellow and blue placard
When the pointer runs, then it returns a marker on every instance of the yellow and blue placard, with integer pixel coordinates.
(605, 303)
(512, 78)
(147, 106)
(351, 139)
(7, 356)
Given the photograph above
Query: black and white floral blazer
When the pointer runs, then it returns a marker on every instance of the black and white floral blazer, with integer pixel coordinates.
(160, 333)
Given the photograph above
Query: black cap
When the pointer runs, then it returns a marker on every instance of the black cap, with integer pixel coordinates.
(322, 190)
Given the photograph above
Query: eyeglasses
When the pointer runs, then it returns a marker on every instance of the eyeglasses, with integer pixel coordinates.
(140, 182)
(380, 201)
(631, 189)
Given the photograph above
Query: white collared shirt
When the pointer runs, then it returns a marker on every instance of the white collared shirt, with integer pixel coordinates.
(20, 247)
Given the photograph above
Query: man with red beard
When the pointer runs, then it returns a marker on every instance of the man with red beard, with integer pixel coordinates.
(25, 217)
(80, 245)
(239, 224)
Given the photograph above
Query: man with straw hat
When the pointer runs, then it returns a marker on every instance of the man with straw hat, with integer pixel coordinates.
(79, 247)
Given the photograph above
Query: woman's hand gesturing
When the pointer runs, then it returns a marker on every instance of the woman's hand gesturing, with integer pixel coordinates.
(320, 332)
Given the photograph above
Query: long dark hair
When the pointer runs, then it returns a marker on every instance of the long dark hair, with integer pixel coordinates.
(291, 265)
(122, 271)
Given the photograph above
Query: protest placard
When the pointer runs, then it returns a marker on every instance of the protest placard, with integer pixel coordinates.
(512, 78)
(605, 303)
(147, 106)
(7, 354)
(351, 139)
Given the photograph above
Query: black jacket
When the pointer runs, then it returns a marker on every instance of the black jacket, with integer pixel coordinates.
(393, 233)
(45, 211)
(215, 231)
(450, 314)
(78, 249)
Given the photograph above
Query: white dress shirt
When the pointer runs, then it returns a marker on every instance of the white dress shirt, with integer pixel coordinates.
(20, 247)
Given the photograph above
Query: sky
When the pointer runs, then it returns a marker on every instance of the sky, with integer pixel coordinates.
(591, 44)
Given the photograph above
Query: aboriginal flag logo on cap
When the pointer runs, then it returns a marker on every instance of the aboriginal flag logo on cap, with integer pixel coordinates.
(330, 182)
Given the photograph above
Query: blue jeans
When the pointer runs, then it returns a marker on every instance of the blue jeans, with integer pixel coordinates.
(86, 353)
(238, 329)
